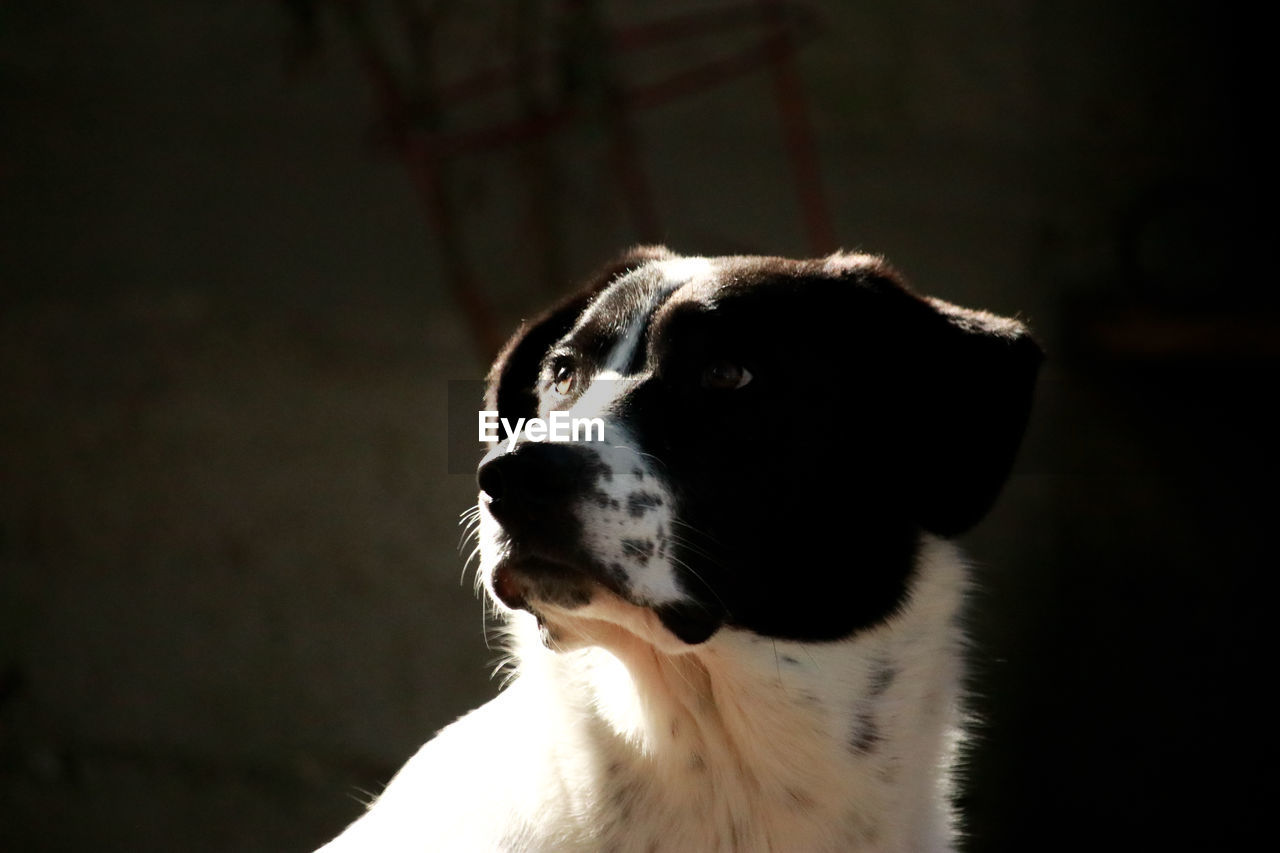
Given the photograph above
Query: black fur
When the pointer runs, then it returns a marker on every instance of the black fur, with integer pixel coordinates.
(872, 415)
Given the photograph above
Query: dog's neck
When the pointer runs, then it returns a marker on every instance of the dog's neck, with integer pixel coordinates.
(767, 743)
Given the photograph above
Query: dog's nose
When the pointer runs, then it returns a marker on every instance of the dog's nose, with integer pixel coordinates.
(532, 481)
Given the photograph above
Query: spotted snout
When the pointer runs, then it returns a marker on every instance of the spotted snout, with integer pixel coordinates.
(573, 518)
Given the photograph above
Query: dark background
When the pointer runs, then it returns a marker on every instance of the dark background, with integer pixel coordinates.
(229, 591)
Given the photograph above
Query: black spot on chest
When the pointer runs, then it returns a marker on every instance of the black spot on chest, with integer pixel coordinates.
(882, 677)
(866, 733)
(800, 800)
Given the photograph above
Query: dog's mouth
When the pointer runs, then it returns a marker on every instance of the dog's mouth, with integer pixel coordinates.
(545, 585)
(522, 581)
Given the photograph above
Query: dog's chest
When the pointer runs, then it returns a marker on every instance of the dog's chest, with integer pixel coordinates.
(686, 800)
(793, 754)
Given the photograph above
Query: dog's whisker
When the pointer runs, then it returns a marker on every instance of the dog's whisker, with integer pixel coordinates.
(479, 581)
(507, 663)
(635, 451)
(363, 796)
(695, 549)
(695, 530)
(470, 524)
(467, 536)
(484, 624)
(499, 668)
(691, 570)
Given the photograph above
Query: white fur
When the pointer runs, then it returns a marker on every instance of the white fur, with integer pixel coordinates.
(632, 741)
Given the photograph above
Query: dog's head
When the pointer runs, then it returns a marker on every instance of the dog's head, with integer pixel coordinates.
(777, 436)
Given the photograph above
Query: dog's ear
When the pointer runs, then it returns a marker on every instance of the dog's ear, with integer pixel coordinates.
(512, 381)
(979, 372)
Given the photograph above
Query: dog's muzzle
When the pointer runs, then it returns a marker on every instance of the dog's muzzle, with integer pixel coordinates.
(537, 493)
(532, 493)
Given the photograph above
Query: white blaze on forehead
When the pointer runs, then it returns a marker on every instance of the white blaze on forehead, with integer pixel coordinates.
(611, 382)
(600, 395)
(606, 386)
(675, 273)
(680, 271)
(848, 261)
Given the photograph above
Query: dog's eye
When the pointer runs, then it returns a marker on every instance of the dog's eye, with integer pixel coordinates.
(725, 375)
(563, 380)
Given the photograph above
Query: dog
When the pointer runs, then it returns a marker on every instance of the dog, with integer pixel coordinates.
(734, 621)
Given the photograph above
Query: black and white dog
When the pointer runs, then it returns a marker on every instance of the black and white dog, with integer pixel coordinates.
(734, 620)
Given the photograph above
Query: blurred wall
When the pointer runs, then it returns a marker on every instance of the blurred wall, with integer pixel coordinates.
(230, 599)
